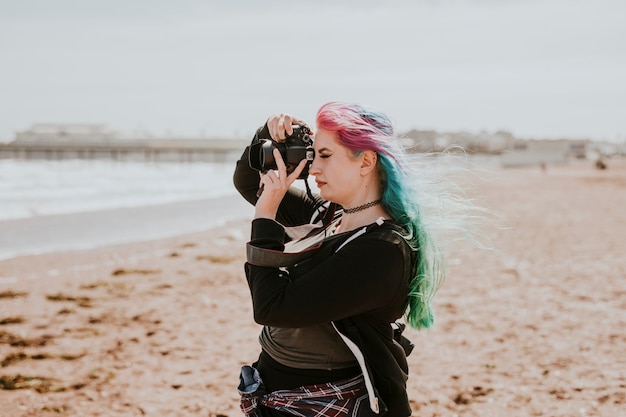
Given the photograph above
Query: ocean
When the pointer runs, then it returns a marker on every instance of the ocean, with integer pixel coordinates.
(38, 188)
(48, 206)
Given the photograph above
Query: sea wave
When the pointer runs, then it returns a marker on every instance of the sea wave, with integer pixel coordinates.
(39, 188)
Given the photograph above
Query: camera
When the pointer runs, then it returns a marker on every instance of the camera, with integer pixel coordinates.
(295, 148)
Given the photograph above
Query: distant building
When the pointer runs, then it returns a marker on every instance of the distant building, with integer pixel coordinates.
(483, 142)
(578, 149)
(606, 149)
(541, 152)
(66, 132)
(420, 140)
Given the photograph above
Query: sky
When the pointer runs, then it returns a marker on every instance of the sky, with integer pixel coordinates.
(537, 68)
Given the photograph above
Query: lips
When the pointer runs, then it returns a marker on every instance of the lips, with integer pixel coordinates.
(320, 184)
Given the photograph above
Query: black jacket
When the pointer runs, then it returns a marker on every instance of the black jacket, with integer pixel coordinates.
(361, 286)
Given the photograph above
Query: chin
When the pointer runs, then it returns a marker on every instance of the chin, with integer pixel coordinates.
(324, 194)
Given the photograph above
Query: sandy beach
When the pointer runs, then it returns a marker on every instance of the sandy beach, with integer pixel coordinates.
(536, 327)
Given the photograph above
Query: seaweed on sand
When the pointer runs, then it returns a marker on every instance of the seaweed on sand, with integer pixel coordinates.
(14, 340)
(40, 384)
(12, 320)
(81, 301)
(12, 294)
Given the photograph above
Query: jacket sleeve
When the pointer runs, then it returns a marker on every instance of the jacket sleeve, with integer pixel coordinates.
(295, 209)
(246, 179)
(367, 275)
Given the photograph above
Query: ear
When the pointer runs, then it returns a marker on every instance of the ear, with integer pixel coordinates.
(368, 163)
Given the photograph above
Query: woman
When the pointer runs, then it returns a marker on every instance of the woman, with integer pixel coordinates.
(330, 318)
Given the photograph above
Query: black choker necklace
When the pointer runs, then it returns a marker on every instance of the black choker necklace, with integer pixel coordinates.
(361, 207)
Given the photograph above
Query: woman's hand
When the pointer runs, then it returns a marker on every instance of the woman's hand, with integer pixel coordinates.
(275, 185)
(281, 125)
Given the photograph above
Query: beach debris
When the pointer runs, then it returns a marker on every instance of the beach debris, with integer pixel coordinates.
(116, 289)
(560, 394)
(94, 285)
(100, 374)
(83, 332)
(12, 294)
(469, 395)
(59, 409)
(71, 357)
(14, 340)
(38, 383)
(13, 358)
(218, 259)
(81, 301)
(21, 356)
(12, 320)
(121, 271)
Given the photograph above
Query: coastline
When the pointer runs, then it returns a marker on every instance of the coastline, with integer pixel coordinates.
(161, 327)
(93, 229)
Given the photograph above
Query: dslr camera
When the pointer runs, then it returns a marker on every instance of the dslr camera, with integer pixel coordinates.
(295, 148)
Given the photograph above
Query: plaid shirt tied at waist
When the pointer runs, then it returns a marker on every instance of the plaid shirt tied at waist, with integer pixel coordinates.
(333, 399)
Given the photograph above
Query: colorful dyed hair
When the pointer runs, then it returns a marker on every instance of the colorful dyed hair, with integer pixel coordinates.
(419, 203)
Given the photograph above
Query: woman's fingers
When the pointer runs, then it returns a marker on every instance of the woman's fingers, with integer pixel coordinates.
(280, 164)
(284, 126)
(281, 125)
(275, 124)
(296, 172)
(279, 177)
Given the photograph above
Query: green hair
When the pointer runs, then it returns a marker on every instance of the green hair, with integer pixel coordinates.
(416, 192)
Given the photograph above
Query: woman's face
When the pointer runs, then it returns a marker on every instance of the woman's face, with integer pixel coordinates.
(335, 168)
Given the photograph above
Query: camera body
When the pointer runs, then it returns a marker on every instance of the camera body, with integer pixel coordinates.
(295, 148)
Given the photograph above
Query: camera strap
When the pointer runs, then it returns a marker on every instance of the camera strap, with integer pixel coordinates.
(274, 258)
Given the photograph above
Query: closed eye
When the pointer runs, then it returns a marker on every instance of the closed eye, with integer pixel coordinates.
(324, 153)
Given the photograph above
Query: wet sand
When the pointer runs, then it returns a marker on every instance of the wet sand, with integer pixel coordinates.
(94, 229)
(535, 328)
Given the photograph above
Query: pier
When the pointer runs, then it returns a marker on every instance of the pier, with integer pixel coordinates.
(75, 141)
(149, 150)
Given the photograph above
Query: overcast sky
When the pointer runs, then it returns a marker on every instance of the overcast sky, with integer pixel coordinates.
(538, 68)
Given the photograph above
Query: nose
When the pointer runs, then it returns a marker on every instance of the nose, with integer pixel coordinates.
(313, 168)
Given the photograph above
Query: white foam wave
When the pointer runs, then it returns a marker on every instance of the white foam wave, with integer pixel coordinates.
(35, 188)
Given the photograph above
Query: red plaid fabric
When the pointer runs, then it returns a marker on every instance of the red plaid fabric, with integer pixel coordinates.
(336, 399)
